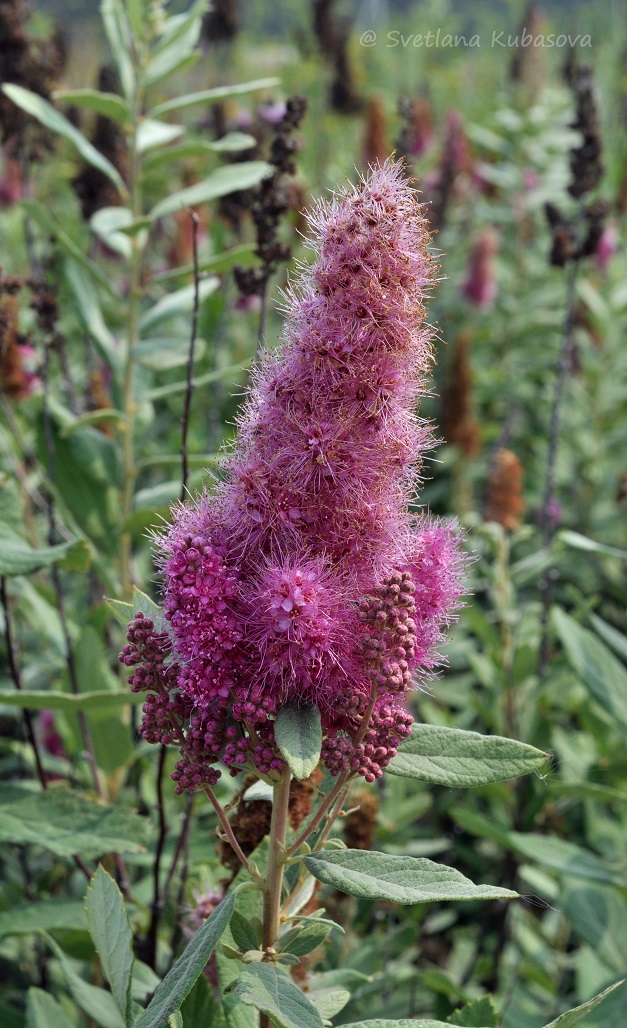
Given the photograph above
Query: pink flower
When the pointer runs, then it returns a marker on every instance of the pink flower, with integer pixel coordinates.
(608, 244)
(305, 578)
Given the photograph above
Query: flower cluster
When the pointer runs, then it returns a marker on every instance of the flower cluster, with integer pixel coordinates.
(305, 578)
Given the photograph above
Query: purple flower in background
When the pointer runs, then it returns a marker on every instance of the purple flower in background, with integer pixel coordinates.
(608, 244)
(480, 285)
(305, 579)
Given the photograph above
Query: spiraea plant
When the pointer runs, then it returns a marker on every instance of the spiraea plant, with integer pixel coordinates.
(303, 601)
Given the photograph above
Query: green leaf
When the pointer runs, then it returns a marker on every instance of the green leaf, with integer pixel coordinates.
(298, 735)
(152, 134)
(400, 879)
(96, 1003)
(614, 639)
(582, 542)
(202, 1008)
(602, 674)
(162, 354)
(479, 1013)
(40, 215)
(566, 857)
(49, 699)
(106, 224)
(459, 759)
(221, 182)
(243, 933)
(212, 96)
(122, 612)
(230, 143)
(111, 932)
(182, 975)
(43, 1011)
(198, 382)
(577, 1014)
(141, 601)
(18, 558)
(303, 938)
(88, 307)
(66, 823)
(403, 1023)
(52, 119)
(176, 46)
(24, 918)
(329, 1002)
(110, 105)
(271, 991)
(175, 1020)
(599, 916)
(118, 33)
(174, 304)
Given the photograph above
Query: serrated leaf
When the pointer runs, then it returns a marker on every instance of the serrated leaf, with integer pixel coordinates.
(66, 823)
(221, 182)
(478, 1013)
(600, 671)
(271, 991)
(45, 113)
(460, 759)
(183, 974)
(109, 105)
(111, 932)
(577, 1014)
(298, 734)
(43, 1011)
(179, 302)
(215, 95)
(405, 880)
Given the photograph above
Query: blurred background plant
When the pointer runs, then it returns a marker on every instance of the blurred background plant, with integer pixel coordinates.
(150, 205)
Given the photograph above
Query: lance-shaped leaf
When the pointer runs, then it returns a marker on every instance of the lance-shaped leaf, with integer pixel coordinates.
(298, 735)
(49, 699)
(181, 977)
(45, 113)
(601, 672)
(459, 759)
(43, 1011)
(110, 105)
(220, 182)
(577, 1014)
(207, 96)
(111, 932)
(18, 558)
(400, 879)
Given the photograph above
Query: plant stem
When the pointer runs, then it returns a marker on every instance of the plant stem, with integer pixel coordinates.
(276, 862)
(228, 831)
(322, 811)
(129, 405)
(189, 388)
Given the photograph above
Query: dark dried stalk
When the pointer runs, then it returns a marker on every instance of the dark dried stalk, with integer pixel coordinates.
(547, 522)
